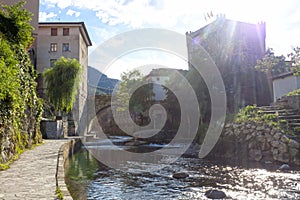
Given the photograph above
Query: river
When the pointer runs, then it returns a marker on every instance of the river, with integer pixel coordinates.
(87, 178)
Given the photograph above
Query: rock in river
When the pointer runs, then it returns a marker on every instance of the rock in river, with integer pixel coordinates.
(284, 167)
(215, 194)
(180, 175)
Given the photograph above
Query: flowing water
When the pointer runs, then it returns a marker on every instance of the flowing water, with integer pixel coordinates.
(87, 178)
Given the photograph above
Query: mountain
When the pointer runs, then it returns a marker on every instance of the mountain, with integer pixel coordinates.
(100, 82)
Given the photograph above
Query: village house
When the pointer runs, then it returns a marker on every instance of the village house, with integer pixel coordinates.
(70, 40)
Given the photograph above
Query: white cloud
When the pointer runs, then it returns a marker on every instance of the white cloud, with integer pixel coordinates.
(73, 12)
(188, 15)
(59, 3)
(43, 16)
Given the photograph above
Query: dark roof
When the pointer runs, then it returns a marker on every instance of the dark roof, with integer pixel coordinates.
(89, 42)
(280, 76)
(165, 72)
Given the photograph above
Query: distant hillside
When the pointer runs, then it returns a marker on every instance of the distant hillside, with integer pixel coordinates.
(100, 82)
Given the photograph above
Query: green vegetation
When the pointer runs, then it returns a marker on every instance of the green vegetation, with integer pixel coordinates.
(62, 83)
(271, 64)
(294, 93)
(59, 193)
(275, 65)
(254, 114)
(20, 108)
(131, 92)
(15, 26)
(4, 166)
(82, 167)
(295, 60)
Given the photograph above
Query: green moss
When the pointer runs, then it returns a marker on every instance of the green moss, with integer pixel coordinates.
(59, 193)
(19, 151)
(294, 93)
(20, 108)
(257, 116)
(4, 166)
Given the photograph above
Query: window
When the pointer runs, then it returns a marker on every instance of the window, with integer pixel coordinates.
(66, 31)
(65, 47)
(52, 61)
(53, 47)
(53, 31)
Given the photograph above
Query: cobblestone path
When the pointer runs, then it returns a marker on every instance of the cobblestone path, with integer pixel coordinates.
(32, 176)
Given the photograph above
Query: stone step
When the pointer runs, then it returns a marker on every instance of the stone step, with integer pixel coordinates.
(294, 125)
(281, 114)
(293, 120)
(282, 100)
(281, 110)
(289, 117)
(270, 108)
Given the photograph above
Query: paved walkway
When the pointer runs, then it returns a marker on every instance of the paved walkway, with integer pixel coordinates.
(32, 176)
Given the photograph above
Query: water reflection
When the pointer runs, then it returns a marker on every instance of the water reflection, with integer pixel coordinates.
(89, 179)
(81, 169)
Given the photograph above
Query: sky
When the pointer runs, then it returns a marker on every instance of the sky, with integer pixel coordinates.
(107, 18)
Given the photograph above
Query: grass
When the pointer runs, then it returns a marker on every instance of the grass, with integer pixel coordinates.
(5, 166)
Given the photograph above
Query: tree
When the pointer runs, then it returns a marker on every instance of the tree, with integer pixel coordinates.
(271, 64)
(15, 24)
(62, 83)
(295, 60)
(133, 91)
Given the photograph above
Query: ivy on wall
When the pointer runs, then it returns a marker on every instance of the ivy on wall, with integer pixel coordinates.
(20, 108)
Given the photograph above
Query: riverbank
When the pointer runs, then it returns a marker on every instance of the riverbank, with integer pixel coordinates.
(33, 175)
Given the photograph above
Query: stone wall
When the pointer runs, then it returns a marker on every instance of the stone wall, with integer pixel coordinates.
(292, 101)
(65, 152)
(12, 141)
(258, 142)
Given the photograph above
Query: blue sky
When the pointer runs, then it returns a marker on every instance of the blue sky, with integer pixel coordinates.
(106, 18)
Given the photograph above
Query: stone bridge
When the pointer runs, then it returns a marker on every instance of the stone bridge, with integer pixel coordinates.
(104, 116)
(101, 120)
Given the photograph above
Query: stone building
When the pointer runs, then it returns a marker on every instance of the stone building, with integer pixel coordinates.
(284, 83)
(234, 47)
(160, 77)
(71, 40)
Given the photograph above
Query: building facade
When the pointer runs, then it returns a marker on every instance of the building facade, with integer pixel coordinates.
(160, 77)
(285, 83)
(70, 40)
(235, 48)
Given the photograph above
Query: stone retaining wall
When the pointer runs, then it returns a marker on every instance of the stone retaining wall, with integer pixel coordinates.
(259, 142)
(292, 101)
(65, 152)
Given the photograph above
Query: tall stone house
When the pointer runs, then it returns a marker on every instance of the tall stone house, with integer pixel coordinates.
(234, 47)
(71, 40)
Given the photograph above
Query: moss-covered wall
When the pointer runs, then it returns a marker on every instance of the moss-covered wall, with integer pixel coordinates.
(20, 108)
